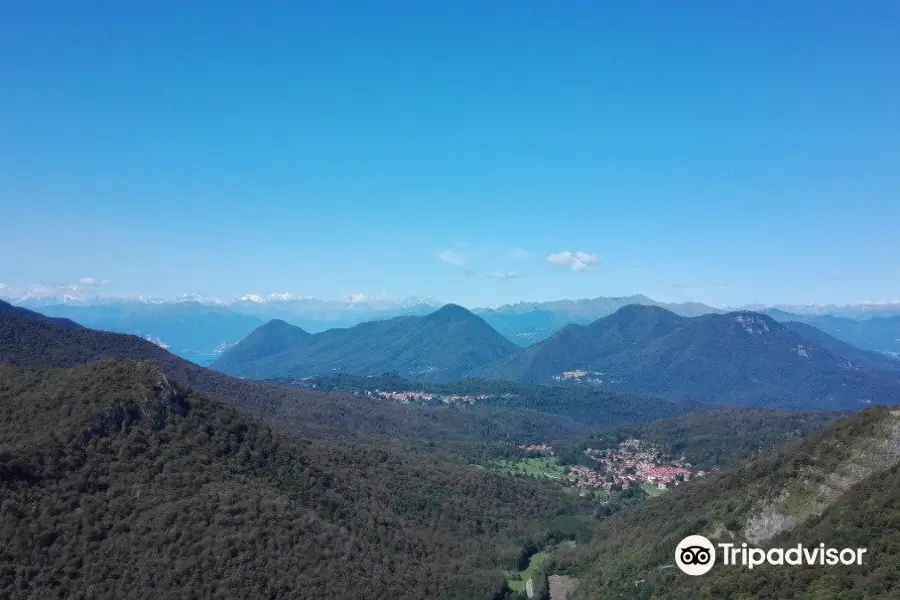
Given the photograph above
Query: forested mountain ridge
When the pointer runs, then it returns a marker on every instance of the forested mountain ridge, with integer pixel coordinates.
(740, 358)
(17, 311)
(788, 496)
(273, 338)
(444, 345)
(117, 482)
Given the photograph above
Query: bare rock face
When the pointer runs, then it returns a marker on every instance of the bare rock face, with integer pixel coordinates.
(768, 523)
(807, 499)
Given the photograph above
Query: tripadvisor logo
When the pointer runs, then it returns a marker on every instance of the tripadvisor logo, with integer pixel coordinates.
(696, 555)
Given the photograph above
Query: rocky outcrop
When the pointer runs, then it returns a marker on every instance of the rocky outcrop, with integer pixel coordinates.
(164, 400)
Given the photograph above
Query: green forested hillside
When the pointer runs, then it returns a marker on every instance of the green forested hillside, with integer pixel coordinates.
(118, 483)
(274, 337)
(442, 346)
(741, 358)
(837, 487)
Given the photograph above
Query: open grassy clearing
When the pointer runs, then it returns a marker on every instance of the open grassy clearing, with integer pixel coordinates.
(537, 566)
(517, 580)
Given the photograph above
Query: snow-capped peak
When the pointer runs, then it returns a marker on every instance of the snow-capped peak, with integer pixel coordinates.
(251, 298)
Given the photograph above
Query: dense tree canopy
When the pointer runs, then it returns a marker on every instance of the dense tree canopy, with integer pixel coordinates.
(118, 483)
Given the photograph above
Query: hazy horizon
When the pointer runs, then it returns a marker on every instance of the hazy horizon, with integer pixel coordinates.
(94, 292)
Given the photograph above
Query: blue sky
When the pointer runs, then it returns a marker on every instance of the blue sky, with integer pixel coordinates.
(703, 152)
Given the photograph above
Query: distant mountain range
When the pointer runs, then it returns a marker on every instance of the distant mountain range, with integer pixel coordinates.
(192, 330)
(31, 339)
(200, 328)
(740, 358)
(444, 345)
(877, 333)
(528, 322)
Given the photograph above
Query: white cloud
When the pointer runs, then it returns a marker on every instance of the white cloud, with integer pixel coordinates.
(505, 276)
(3, 286)
(87, 281)
(452, 258)
(577, 261)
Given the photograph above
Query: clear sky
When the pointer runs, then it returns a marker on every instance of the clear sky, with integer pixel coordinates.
(689, 150)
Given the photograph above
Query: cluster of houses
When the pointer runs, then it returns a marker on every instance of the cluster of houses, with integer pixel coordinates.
(632, 461)
(538, 448)
(408, 397)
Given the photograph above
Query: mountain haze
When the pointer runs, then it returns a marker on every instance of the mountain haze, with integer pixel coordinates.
(865, 358)
(874, 333)
(190, 329)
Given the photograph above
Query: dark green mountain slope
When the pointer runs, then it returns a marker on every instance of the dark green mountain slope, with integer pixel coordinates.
(441, 346)
(579, 346)
(116, 482)
(274, 337)
(740, 358)
(839, 487)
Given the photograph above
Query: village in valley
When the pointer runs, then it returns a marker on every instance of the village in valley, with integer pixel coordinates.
(426, 397)
(631, 462)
